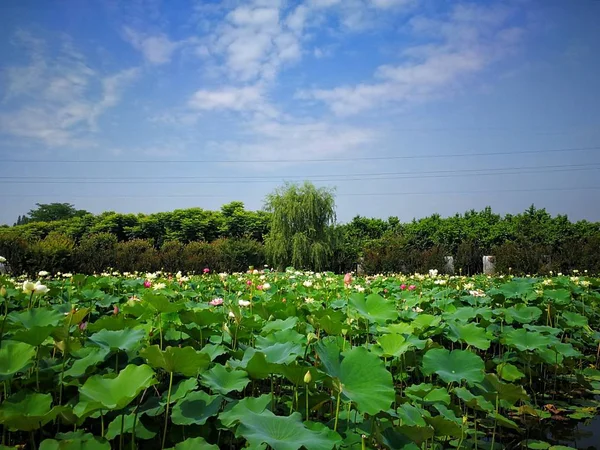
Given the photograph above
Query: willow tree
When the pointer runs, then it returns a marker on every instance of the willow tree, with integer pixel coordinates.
(302, 220)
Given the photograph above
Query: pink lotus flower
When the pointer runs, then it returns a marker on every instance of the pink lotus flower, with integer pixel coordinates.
(402, 286)
(412, 287)
(206, 270)
(259, 287)
(83, 326)
(116, 310)
(249, 282)
(347, 279)
(385, 291)
(216, 302)
(147, 283)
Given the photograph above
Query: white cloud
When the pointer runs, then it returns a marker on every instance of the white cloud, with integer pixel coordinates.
(468, 41)
(232, 98)
(270, 139)
(55, 102)
(157, 49)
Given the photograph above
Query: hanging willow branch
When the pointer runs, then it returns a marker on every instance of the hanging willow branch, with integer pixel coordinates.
(302, 223)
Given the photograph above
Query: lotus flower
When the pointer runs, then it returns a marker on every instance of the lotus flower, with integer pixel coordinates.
(147, 283)
(28, 287)
(402, 286)
(348, 279)
(216, 302)
(412, 287)
(243, 303)
(39, 288)
(206, 270)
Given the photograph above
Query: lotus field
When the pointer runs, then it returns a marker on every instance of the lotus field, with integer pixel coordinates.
(296, 360)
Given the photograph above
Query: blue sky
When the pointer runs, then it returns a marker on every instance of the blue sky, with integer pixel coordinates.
(381, 89)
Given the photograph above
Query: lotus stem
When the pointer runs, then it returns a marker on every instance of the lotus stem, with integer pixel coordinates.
(164, 438)
(307, 401)
(122, 427)
(337, 410)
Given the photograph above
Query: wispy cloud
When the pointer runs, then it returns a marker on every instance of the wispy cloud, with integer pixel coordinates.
(156, 49)
(57, 99)
(466, 42)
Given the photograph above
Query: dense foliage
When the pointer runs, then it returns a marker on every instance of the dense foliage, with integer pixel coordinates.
(296, 360)
(301, 231)
(531, 242)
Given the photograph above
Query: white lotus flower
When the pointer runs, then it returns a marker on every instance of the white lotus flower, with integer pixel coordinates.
(39, 288)
(67, 275)
(28, 287)
(158, 286)
(307, 283)
(244, 303)
(42, 273)
(266, 287)
(433, 273)
(2, 259)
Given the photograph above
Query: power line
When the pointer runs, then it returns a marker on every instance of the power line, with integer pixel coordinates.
(558, 167)
(347, 178)
(272, 161)
(359, 194)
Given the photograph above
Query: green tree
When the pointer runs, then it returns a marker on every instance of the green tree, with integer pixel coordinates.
(50, 212)
(302, 221)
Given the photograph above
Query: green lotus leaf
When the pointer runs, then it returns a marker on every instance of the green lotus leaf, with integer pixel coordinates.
(125, 422)
(89, 357)
(516, 288)
(537, 445)
(28, 411)
(567, 350)
(393, 345)
(285, 433)
(329, 355)
(575, 320)
(15, 357)
(280, 325)
(223, 381)
(112, 323)
(424, 321)
(523, 340)
(365, 381)
(509, 372)
(454, 366)
(116, 393)
(507, 392)
(444, 427)
(34, 336)
(197, 443)
(87, 443)
(447, 413)
(279, 352)
(471, 334)
(125, 340)
(505, 422)
(412, 416)
(37, 317)
(255, 363)
(161, 304)
(235, 412)
(428, 393)
(522, 314)
(213, 351)
(184, 360)
(560, 296)
(181, 389)
(375, 308)
(477, 402)
(196, 408)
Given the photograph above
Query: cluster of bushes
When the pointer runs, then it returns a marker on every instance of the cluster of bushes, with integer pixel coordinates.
(98, 252)
(232, 240)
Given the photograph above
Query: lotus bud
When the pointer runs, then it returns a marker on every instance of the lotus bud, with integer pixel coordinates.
(307, 377)
(311, 337)
(2, 291)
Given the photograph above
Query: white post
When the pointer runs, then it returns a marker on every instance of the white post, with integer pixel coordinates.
(489, 265)
(449, 266)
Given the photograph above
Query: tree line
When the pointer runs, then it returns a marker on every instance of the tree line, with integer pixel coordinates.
(296, 228)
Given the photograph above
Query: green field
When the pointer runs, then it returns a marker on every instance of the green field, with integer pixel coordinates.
(296, 360)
